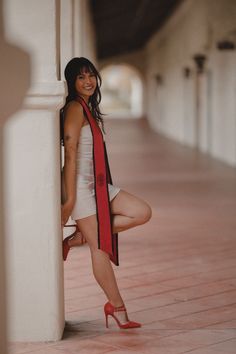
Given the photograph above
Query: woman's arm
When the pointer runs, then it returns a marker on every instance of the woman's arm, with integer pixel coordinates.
(73, 123)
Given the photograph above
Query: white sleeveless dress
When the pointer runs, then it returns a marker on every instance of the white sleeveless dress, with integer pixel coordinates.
(85, 204)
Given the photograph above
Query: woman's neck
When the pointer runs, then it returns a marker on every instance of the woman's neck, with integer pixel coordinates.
(85, 98)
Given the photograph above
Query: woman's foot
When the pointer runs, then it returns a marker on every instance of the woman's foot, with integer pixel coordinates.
(74, 240)
(120, 315)
(77, 240)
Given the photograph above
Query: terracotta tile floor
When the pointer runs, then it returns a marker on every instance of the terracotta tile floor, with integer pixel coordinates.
(177, 273)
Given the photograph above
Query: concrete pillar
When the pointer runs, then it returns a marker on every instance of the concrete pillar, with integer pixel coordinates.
(32, 182)
(9, 103)
(84, 37)
(200, 128)
(67, 33)
(224, 106)
(77, 32)
(188, 105)
(159, 102)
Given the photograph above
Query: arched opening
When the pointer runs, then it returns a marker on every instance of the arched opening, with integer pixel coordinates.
(122, 91)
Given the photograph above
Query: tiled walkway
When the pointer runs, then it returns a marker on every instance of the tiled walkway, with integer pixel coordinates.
(177, 273)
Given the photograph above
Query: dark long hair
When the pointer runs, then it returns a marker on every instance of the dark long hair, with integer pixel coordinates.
(75, 67)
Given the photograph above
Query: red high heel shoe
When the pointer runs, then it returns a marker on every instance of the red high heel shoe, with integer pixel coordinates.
(109, 309)
(65, 244)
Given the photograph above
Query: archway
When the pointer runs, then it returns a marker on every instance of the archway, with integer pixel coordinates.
(122, 91)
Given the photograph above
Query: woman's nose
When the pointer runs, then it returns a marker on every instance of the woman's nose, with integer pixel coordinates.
(88, 80)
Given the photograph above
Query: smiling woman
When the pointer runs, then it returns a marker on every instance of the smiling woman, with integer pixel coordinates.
(99, 208)
(86, 83)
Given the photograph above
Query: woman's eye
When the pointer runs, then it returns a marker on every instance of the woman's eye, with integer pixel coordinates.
(80, 77)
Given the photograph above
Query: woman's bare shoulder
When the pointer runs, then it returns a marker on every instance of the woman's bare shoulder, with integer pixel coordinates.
(74, 113)
(73, 107)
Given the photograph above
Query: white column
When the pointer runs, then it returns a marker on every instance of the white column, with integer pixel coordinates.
(9, 103)
(188, 107)
(32, 175)
(136, 97)
(77, 32)
(224, 106)
(83, 31)
(67, 32)
(78, 27)
(201, 111)
(204, 112)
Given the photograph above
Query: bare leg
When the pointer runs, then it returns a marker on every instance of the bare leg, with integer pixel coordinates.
(102, 268)
(121, 223)
(129, 211)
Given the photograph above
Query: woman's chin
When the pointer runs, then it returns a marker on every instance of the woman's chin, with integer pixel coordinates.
(87, 94)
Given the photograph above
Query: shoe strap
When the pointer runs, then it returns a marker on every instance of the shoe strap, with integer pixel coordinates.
(120, 308)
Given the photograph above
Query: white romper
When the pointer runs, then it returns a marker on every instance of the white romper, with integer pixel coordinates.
(85, 204)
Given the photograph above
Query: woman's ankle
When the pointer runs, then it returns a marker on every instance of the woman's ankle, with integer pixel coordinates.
(75, 241)
(117, 304)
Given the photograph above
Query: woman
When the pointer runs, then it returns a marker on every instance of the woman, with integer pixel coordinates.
(82, 127)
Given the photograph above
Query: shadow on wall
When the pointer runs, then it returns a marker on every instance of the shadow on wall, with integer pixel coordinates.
(15, 81)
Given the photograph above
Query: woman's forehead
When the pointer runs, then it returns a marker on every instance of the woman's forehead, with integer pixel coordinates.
(85, 70)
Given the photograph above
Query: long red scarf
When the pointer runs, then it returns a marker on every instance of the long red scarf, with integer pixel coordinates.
(107, 240)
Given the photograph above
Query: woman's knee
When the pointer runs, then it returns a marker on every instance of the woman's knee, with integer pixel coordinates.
(144, 214)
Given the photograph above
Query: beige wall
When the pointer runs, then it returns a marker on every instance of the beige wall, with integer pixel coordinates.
(198, 110)
(195, 28)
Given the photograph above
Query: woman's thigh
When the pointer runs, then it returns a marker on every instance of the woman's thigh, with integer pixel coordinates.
(125, 204)
(129, 205)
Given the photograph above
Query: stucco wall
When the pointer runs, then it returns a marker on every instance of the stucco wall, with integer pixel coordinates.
(195, 28)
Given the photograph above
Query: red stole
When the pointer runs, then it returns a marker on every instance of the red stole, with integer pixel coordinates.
(107, 241)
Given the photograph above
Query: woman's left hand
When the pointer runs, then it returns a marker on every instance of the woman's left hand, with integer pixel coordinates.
(65, 212)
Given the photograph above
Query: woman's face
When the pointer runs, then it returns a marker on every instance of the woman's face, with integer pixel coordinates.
(86, 83)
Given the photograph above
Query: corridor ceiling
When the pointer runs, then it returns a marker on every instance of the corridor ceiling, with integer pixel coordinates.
(122, 26)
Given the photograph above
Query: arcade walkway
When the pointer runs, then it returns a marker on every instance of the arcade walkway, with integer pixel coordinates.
(177, 273)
